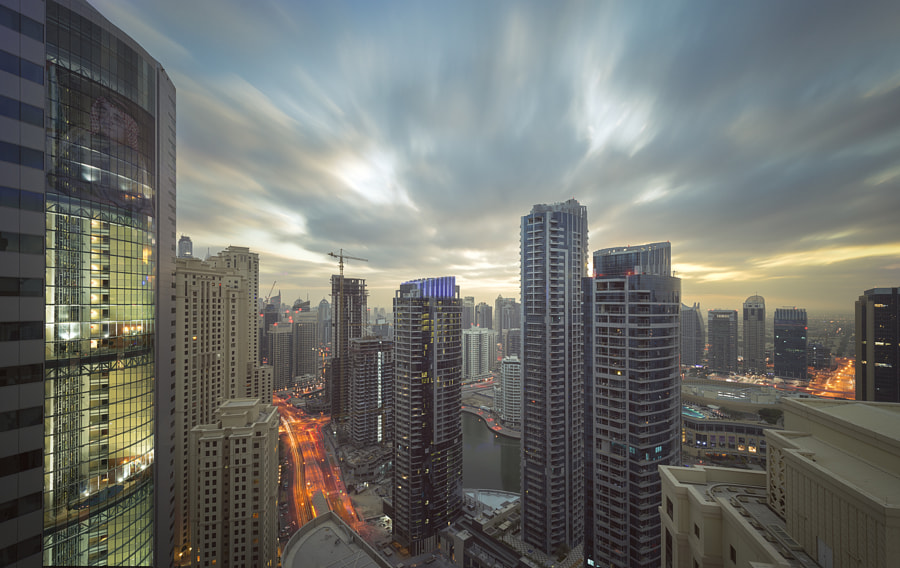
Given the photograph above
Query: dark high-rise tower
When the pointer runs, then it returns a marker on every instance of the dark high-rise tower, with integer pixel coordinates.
(371, 362)
(427, 488)
(633, 401)
(790, 343)
(878, 345)
(722, 336)
(755, 335)
(348, 321)
(553, 264)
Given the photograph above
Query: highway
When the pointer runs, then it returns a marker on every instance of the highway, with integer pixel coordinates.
(313, 469)
(840, 383)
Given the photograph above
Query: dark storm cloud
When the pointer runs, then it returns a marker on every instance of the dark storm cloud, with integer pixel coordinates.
(760, 138)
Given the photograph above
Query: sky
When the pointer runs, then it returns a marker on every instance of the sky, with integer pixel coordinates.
(762, 139)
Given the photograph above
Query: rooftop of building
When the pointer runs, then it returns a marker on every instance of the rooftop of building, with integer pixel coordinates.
(855, 444)
(239, 403)
(742, 496)
(329, 541)
(875, 291)
(633, 248)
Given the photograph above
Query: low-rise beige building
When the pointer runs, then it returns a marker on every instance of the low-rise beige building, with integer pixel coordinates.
(830, 496)
(233, 486)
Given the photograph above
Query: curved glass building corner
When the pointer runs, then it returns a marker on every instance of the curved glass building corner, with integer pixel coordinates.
(102, 228)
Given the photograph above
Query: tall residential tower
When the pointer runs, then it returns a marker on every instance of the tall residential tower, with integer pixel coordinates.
(427, 488)
(553, 264)
(349, 321)
(633, 400)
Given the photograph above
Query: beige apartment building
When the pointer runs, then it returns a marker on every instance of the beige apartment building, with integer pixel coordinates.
(213, 327)
(233, 486)
(829, 498)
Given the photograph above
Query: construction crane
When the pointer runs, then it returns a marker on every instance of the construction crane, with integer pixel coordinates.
(269, 295)
(339, 301)
(341, 256)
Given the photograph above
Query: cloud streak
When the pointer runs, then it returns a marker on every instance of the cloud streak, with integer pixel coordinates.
(760, 139)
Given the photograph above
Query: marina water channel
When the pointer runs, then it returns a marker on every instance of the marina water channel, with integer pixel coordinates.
(490, 461)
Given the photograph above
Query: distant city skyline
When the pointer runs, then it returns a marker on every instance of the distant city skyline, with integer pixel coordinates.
(413, 135)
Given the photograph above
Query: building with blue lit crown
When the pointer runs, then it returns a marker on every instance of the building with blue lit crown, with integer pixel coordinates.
(427, 488)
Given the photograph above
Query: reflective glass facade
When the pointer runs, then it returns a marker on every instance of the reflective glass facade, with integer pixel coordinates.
(101, 293)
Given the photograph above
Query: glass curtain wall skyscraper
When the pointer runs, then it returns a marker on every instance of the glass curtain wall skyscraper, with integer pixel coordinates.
(553, 264)
(110, 248)
(427, 488)
(633, 402)
(878, 345)
(790, 343)
(723, 340)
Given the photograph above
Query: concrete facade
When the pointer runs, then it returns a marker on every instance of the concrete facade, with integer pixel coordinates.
(830, 496)
(233, 486)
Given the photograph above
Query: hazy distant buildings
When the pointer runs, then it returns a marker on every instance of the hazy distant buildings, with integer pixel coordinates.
(878, 345)
(468, 312)
(553, 263)
(185, 247)
(693, 338)
(427, 487)
(723, 340)
(755, 335)
(233, 486)
(281, 342)
(512, 345)
(348, 322)
(819, 356)
(506, 316)
(479, 348)
(323, 317)
(270, 315)
(371, 362)
(509, 405)
(633, 400)
(484, 315)
(305, 352)
(790, 343)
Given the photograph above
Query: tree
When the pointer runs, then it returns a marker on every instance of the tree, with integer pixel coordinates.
(770, 415)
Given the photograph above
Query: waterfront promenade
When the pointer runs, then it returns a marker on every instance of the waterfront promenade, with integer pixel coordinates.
(491, 422)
